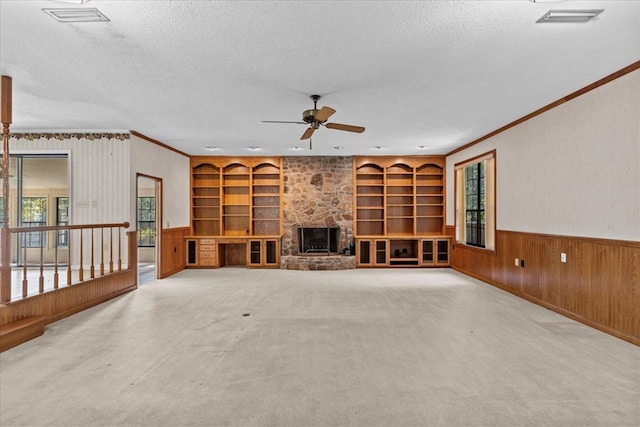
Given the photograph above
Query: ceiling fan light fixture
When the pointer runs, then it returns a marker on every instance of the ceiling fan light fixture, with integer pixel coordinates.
(253, 147)
(423, 147)
(73, 15)
(316, 118)
(569, 16)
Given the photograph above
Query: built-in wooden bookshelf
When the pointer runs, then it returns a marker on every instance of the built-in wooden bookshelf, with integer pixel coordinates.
(233, 200)
(266, 200)
(369, 201)
(236, 184)
(399, 200)
(400, 211)
(399, 196)
(205, 199)
(430, 199)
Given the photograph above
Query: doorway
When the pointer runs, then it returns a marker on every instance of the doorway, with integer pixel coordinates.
(38, 197)
(148, 222)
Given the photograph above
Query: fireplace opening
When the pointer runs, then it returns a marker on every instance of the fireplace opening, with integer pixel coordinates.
(318, 240)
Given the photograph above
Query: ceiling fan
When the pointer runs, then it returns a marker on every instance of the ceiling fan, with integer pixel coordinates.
(318, 117)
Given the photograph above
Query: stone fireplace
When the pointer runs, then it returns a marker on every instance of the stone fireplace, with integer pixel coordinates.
(317, 194)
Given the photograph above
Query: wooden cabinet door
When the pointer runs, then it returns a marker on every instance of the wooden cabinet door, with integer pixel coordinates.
(363, 252)
(192, 252)
(254, 253)
(427, 255)
(263, 253)
(271, 250)
(381, 252)
(442, 247)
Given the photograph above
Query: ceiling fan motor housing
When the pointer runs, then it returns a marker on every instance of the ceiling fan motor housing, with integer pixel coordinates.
(309, 116)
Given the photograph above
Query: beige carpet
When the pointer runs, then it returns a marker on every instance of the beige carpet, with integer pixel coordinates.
(405, 347)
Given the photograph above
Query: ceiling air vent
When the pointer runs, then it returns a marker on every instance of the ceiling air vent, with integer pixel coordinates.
(569, 16)
(76, 15)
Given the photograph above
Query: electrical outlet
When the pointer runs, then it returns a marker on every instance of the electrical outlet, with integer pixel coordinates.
(517, 262)
(563, 257)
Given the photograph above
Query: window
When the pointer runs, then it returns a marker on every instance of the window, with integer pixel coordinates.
(34, 214)
(475, 201)
(146, 221)
(475, 204)
(62, 218)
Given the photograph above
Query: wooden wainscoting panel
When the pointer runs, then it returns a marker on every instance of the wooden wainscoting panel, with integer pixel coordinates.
(63, 302)
(599, 284)
(172, 251)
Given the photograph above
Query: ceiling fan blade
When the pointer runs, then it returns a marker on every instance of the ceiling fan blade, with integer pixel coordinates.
(307, 133)
(280, 121)
(324, 113)
(348, 128)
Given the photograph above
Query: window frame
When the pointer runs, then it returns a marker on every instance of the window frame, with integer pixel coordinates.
(36, 239)
(62, 240)
(460, 213)
(139, 221)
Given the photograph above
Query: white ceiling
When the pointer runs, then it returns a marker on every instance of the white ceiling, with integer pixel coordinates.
(193, 74)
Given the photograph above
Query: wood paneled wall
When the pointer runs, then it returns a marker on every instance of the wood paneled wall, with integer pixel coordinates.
(599, 285)
(172, 251)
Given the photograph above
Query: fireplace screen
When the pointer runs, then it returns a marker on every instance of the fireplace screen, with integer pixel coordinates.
(321, 240)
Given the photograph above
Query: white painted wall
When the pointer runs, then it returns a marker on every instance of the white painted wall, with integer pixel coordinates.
(573, 170)
(173, 168)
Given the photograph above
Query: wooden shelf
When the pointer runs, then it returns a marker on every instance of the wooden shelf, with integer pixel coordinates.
(408, 191)
(238, 196)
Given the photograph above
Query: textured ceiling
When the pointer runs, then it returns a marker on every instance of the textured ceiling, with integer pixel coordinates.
(193, 74)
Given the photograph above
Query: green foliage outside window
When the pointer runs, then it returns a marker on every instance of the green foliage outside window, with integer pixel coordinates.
(34, 214)
(475, 204)
(62, 218)
(146, 221)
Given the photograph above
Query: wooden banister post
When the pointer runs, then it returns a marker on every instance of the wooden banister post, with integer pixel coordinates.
(132, 262)
(5, 266)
